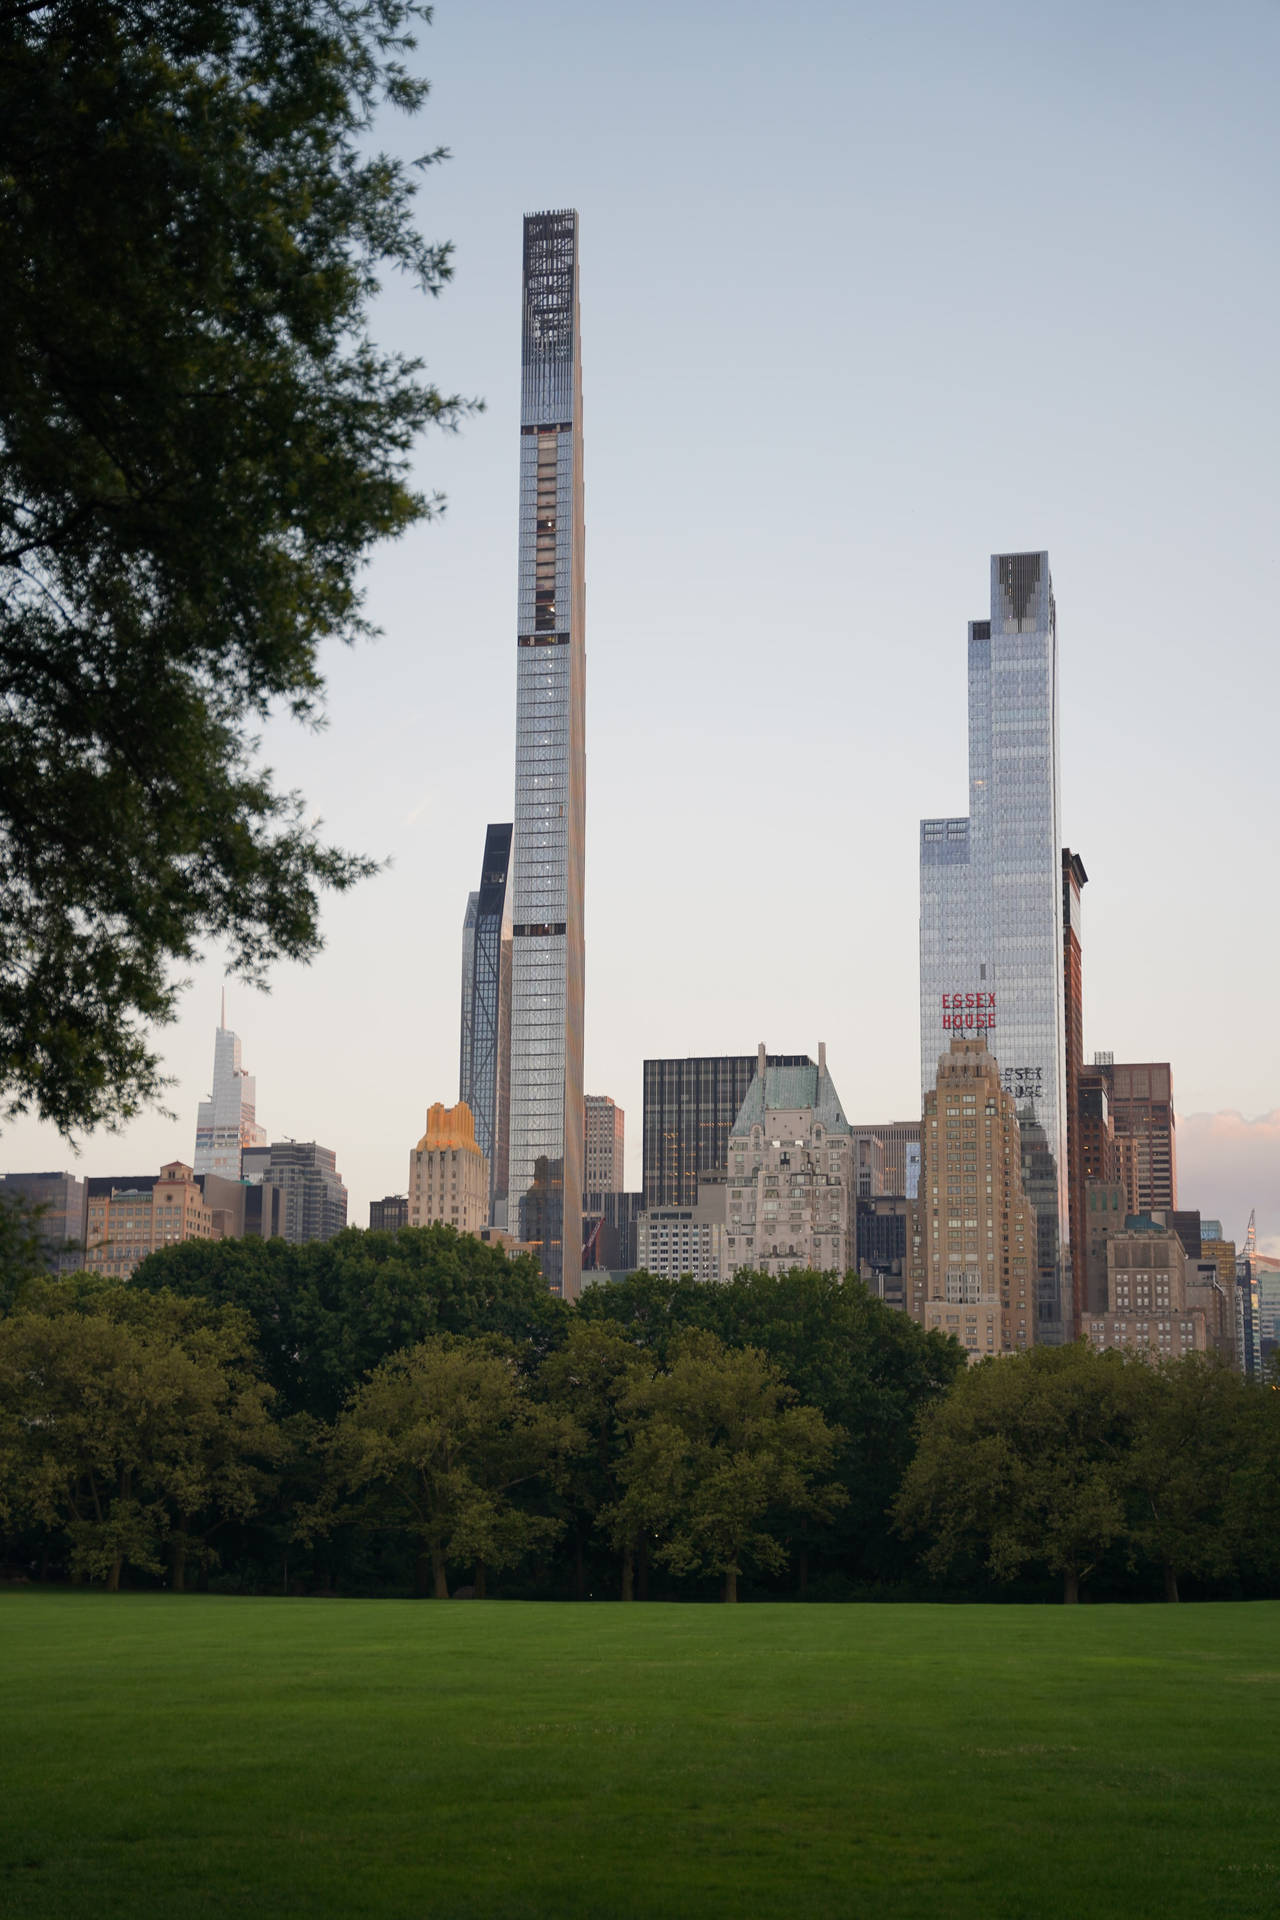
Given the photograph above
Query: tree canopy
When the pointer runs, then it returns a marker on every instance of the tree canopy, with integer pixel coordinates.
(200, 441)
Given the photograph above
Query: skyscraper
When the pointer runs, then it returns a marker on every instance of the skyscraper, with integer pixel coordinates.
(1140, 1102)
(484, 1080)
(991, 940)
(605, 1124)
(227, 1121)
(1074, 879)
(313, 1199)
(689, 1107)
(548, 954)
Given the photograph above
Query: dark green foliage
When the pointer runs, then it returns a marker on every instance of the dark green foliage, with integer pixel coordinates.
(327, 1313)
(199, 444)
(22, 1254)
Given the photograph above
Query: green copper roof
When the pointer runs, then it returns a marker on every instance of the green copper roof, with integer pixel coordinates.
(787, 1088)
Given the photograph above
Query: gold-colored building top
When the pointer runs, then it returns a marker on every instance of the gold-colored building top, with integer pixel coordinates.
(449, 1127)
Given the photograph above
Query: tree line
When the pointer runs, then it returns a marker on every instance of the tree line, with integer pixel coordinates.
(414, 1413)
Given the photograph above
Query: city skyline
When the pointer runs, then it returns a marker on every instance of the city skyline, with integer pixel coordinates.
(747, 595)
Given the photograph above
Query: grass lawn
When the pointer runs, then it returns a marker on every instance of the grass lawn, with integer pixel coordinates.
(190, 1756)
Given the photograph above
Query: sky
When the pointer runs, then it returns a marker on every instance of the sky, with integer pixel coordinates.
(867, 294)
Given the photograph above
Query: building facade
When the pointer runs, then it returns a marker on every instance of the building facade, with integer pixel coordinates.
(227, 1121)
(689, 1108)
(60, 1222)
(389, 1214)
(448, 1174)
(978, 1228)
(609, 1231)
(899, 1155)
(790, 1198)
(991, 937)
(313, 1199)
(605, 1132)
(673, 1242)
(127, 1222)
(882, 1246)
(484, 1076)
(1148, 1311)
(1074, 880)
(1140, 1104)
(548, 955)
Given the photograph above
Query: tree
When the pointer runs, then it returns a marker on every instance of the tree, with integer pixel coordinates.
(1024, 1463)
(22, 1253)
(132, 1424)
(720, 1460)
(1190, 1440)
(328, 1312)
(588, 1378)
(436, 1444)
(199, 443)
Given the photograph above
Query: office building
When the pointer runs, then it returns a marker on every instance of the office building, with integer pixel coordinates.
(790, 1198)
(484, 1074)
(126, 1222)
(609, 1231)
(227, 1121)
(389, 1214)
(978, 1228)
(898, 1158)
(991, 938)
(58, 1204)
(313, 1197)
(548, 955)
(1074, 880)
(605, 1141)
(448, 1174)
(1148, 1311)
(882, 1234)
(1140, 1103)
(689, 1107)
(673, 1242)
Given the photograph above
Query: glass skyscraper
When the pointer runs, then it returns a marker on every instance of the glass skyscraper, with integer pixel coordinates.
(991, 942)
(227, 1121)
(548, 953)
(484, 1078)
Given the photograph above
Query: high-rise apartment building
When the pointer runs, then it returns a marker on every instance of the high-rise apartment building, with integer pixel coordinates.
(227, 1121)
(604, 1137)
(1074, 880)
(978, 1228)
(484, 1076)
(548, 955)
(991, 939)
(689, 1108)
(1149, 1310)
(790, 1200)
(313, 1197)
(448, 1174)
(1140, 1103)
(675, 1242)
(127, 1222)
(60, 1222)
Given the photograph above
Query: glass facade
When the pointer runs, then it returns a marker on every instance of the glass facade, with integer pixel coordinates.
(484, 1080)
(991, 935)
(548, 953)
(689, 1107)
(226, 1122)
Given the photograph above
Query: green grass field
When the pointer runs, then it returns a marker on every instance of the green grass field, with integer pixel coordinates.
(192, 1756)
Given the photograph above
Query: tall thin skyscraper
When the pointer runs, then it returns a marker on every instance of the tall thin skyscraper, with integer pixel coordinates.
(991, 938)
(227, 1121)
(548, 955)
(485, 1076)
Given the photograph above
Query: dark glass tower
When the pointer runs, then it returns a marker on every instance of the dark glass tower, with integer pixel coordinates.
(548, 954)
(689, 1107)
(484, 1080)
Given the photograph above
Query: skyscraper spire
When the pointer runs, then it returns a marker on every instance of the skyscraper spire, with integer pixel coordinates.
(223, 1020)
(227, 1121)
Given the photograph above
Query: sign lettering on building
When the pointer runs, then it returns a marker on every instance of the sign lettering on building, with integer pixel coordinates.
(968, 1012)
(1024, 1083)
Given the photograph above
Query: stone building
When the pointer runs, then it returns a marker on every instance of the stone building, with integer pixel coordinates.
(974, 1241)
(1148, 1309)
(448, 1174)
(790, 1199)
(125, 1223)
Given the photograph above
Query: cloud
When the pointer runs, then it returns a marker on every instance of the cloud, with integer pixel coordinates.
(1228, 1165)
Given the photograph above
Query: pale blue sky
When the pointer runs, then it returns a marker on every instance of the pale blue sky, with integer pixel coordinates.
(867, 295)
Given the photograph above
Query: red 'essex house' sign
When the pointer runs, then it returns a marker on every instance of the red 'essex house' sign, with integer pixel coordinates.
(968, 1012)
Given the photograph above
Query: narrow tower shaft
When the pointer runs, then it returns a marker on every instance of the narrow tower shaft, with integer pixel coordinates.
(548, 957)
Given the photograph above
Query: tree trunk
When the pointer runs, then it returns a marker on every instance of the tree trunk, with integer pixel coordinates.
(1070, 1588)
(440, 1574)
(628, 1576)
(642, 1583)
(579, 1569)
(731, 1586)
(179, 1564)
(1170, 1582)
(479, 1580)
(113, 1578)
